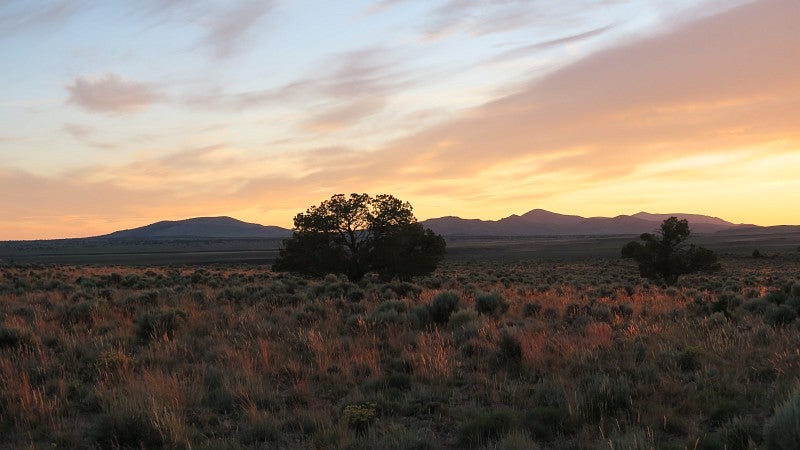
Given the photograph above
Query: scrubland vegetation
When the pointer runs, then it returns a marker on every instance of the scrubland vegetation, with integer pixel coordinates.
(476, 355)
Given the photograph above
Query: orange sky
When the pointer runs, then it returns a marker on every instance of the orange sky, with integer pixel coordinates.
(702, 116)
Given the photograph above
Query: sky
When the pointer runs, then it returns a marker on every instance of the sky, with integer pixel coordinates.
(117, 114)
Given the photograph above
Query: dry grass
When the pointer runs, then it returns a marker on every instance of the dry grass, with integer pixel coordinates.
(586, 355)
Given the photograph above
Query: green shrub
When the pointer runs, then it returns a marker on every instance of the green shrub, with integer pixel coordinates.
(549, 393)
(83, 312)
(442, 306)
(509, 351)
(605, 395)
(546, 422)
(635, 439)
(462, 318)
(358, 417)
(490, 303)
(124, 428)
(161, 322)
(739, 434)
(689, 359)
(13, 338)
(258, 428)
(516, 440)
(419, 317)
(782, 430)
(531, 309)
(780, 315)
(482, 427)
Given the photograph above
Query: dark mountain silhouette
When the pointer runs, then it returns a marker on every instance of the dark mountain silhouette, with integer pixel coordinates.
(202, 227)
(539, 222)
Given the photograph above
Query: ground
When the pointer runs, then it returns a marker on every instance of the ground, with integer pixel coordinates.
(483, 353)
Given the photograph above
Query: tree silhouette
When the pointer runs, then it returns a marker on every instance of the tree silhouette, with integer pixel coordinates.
(665, 256)
(357, 234)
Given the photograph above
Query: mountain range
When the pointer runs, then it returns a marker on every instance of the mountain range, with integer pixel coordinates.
(537, 222)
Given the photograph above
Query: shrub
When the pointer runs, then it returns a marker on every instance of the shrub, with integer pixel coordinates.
(162, 322)
(531, 309)
(358, 417)
(462, 318)
(490, 304)
(12, 338)
(442, 306)
(739, 434)
(782, 430)
(688, 359)
(484, 426)
(516, 440)
(605, 395)
(419, 317)
(509, 351)
(780, 315)
(127, 428)
(259, 427)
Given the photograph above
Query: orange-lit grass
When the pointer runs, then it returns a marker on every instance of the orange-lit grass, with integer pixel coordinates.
(433, 357)
(273, 368)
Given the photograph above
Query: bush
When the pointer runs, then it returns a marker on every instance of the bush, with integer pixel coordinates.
(782, 430)
(127, 429)
(739, 434)
(443, 305)
(688, 360)
(605, 395)
(531, 309)
(359, 417)
(509, 351)
(516, 440)
(483, 427)
(780, 315)
(490, 304)
(13, 338)
(158, 323)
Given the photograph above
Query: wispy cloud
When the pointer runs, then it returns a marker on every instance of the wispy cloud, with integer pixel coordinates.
(78, 131)
(226, 25)
(355, 85)
(23, 16)
(529, 49)
(110, 93)
(227, 29)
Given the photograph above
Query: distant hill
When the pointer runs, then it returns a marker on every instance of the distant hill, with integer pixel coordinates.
(201, 227)
(539, 222)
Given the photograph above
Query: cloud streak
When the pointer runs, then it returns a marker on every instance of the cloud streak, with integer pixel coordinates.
(111, 94)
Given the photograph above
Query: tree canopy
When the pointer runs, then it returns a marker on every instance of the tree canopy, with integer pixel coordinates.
(357, 234)
(665, 256)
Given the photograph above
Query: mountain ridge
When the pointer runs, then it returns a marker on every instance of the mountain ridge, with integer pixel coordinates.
(543, 222)
(201, 227)
(536, 222)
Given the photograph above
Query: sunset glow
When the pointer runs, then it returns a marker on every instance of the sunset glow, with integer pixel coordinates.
(119, 114)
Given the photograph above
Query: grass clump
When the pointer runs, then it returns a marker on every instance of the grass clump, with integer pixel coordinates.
(782, 430)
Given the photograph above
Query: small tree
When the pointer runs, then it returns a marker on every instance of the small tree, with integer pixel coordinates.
(357, 234)
(665, 256)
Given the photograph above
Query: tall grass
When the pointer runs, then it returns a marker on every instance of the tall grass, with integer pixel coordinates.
(513, 355)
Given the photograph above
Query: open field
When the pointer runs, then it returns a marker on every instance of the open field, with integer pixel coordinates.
(256, 251)
(558, 354)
